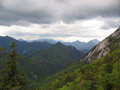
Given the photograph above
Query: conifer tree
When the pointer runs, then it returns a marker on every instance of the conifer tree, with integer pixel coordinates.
(12, 77)
(1, 49)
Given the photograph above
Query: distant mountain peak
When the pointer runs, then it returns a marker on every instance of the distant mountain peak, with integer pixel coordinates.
(52, 41)
(24, 47)
(6, 39)
(94, 41)
(77, 41)
(21, 40)
(59, 44)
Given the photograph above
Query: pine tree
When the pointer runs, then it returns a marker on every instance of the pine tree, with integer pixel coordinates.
(1, 49)
(12, 77)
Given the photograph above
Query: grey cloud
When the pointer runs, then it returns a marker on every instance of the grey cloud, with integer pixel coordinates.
(113, 11)
(12, 18)
(23, 12)
(54, 35)
(19, 34)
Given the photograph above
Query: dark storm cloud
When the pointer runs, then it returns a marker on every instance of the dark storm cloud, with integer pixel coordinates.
(111, 11)
(11, 18)
(23, 12)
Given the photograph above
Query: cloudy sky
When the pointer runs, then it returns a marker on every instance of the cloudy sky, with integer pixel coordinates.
(67, 20)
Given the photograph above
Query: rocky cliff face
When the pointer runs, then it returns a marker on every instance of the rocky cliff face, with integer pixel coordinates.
(103, 47)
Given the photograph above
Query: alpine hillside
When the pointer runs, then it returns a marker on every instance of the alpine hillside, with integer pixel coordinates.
(99, 70)
(51, 60)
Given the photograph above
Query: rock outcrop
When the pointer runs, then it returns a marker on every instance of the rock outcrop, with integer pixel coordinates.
(102, 48)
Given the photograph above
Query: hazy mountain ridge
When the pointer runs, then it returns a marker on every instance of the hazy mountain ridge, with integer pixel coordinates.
(82, 46)
(24, 47)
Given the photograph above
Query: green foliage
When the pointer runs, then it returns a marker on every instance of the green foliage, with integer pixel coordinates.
(1, 49)
(11, 76)
(102, 74)
(12, 45)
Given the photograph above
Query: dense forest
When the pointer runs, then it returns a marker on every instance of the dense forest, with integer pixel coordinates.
(102, 74)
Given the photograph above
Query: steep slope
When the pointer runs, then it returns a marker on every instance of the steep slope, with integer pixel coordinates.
(50, 60)
(104, 47)
(24, 47)
(101, 73)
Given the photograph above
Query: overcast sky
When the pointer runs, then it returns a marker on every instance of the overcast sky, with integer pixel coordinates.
(67, 20)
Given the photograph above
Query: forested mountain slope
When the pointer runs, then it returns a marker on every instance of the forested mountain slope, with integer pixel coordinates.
(51, 60)
(102, 74)
(98, 73)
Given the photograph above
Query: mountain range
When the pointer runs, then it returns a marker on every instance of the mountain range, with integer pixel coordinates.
(82, 46)
(25, 47)
(98, 70)
(41, 59)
